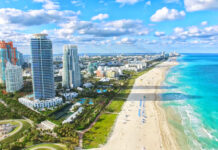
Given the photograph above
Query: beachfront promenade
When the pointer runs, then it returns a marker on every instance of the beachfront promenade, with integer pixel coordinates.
(142, 123)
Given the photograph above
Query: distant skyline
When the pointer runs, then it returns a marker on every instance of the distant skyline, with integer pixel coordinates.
(113, 26)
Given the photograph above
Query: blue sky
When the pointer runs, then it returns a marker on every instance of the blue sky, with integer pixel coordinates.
(109, 26)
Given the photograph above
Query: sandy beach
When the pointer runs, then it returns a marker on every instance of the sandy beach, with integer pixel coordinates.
(142, 124)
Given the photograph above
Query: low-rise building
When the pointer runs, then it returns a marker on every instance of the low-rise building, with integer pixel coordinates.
(100, 73)
(40, 104)
(104, 80)
(46, 125)
(69, 96)
(88, 85)
(73, 116)
(79, 89)
(77, 104)
(111, 74)
(135, 66)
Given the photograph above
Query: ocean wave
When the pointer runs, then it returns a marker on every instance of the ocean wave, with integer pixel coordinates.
(172, 79)
(194, 128)
(198, 125)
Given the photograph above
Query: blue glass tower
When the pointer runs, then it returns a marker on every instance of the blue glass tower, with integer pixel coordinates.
(42, 67)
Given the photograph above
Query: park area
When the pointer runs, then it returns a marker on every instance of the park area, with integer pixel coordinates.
(20, 126)
(48, 146)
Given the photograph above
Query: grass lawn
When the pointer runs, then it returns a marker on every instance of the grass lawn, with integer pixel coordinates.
(115, 106)
(17, 135)
(98, 134)
(48, 145)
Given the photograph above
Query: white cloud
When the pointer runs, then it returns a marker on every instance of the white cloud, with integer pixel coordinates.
(48, 4)
(178, 30)
(167, 14)
(39, 1)
(130, 26)
(171, 1)
(195, 42)
(204, 23)
(105, 29)
(148, 3)
(197, 5)
(151, 42)
(78, 3)
(127, 40)
(158, 34)
(127, 1)
(124, 23)
(144, 31)
(212, 29)
(194, 34)
(34, 17)
(100, 17)
(16, 25)
(193, 30)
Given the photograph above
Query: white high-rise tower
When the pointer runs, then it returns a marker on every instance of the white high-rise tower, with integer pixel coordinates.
(71, 77)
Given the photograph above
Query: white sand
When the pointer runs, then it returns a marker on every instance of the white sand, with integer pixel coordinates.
(129, 132)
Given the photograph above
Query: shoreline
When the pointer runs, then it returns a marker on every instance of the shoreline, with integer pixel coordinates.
(142, 123)
(166, 129)
(174, 120)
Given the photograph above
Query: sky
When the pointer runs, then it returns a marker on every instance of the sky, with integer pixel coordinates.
(113, 26)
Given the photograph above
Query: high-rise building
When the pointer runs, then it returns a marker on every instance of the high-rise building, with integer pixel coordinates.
(71, 71)
(8, 53)
(42, 67)
(91, 68)
(13, 77)
(20, 60)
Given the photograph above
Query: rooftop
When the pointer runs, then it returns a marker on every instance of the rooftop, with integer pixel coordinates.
(40, 35)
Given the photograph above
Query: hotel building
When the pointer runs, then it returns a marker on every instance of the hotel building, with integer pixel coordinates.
(71, 77)
(42, 67)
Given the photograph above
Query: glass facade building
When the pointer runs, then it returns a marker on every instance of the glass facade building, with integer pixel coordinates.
(20, 60)
(8, 53)
(71, 77)
(42, 67)
(13, 77)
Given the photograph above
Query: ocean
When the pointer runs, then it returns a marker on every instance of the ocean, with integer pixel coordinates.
(191, 101)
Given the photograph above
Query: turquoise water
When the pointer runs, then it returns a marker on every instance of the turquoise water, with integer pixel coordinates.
(192, 91)
(82, 101)
(99, 91)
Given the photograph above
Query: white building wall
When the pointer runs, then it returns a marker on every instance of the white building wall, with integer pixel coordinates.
(71, 69)
(36, 104)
